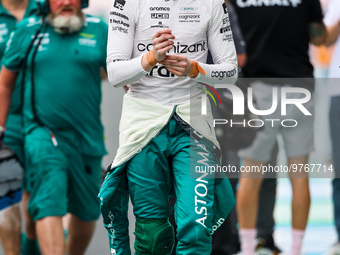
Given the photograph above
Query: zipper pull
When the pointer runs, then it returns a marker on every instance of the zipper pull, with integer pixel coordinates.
(54, 140)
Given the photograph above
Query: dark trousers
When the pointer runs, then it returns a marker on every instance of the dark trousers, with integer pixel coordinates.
(334, 116)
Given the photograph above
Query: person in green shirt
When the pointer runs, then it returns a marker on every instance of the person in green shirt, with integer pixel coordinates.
(62, 52)
(11, 12)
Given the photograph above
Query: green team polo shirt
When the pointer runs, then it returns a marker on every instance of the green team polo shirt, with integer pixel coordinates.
(8, 24)
(67, 82)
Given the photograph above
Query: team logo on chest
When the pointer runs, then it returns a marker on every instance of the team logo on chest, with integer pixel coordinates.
(160, 16)
(160, 12)
(159, 25)
(119, 4)
(188, 14)
(87, 40)
(43, 39)
(225, 8)
(3, 32)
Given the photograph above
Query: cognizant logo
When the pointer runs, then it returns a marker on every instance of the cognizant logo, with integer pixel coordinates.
(221, 74)
(177, 47)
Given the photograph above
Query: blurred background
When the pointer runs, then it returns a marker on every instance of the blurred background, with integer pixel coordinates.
(320, 233)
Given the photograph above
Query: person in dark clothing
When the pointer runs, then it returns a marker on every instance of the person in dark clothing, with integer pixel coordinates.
(278, 34)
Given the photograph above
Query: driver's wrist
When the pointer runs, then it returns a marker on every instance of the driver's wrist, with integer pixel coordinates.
(196, 69)
(151, 58)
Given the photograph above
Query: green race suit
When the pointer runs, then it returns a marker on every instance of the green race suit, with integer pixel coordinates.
(159, 156)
